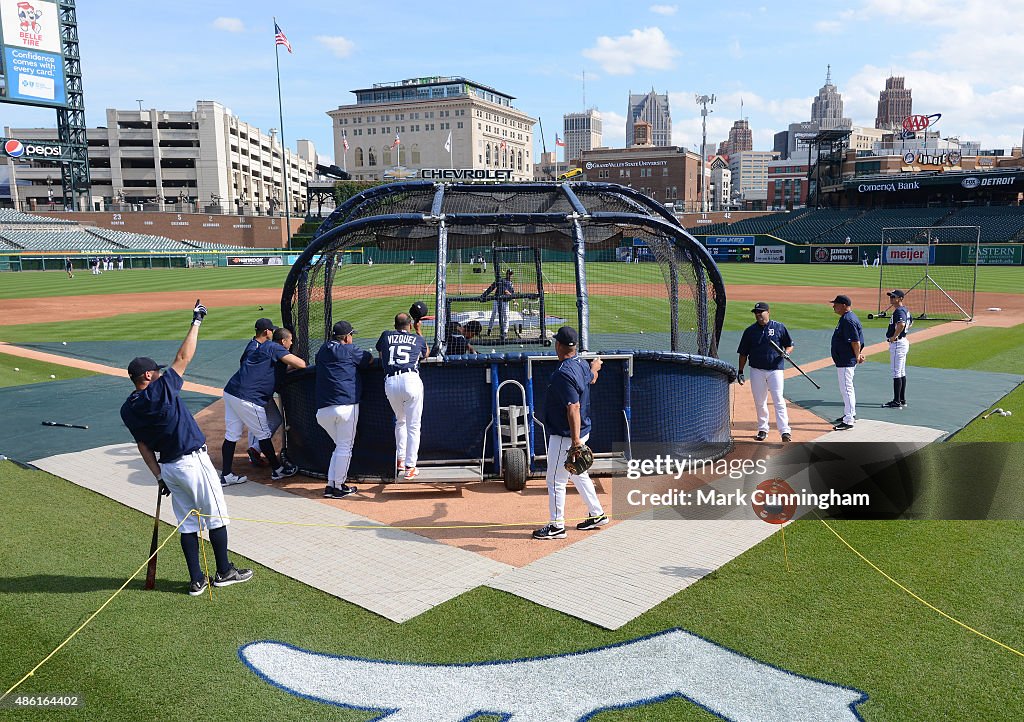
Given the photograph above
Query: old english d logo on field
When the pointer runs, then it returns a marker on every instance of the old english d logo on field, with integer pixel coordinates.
(566, 687)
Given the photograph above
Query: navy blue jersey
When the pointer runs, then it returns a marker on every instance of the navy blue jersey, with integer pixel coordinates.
(338, 382)
(503, 288)
(400, 350)
(158, 418)
(458, 344)
(901, 314)
(254, 380)
(570, 384)
(847, 331)
(756, 347)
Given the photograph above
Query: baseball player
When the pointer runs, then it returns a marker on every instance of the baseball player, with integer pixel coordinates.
(274, 419)
(847, 352)
(567, 420)
(766, 366)
(338, 388)
(899, 345)
(246, 397)
(68, 268)
(161, 423)
(400, 353)
(502, 291)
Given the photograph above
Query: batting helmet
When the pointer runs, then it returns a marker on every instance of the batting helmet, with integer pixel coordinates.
(418, 310)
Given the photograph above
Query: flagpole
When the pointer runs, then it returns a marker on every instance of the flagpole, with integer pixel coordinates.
(284, 145)
(344, 153)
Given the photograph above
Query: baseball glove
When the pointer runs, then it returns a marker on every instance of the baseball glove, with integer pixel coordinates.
(579, 459)
(418, 310)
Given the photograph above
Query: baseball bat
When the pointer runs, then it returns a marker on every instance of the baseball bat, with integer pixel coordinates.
(788, 358)
(66, 426)
(151, 569)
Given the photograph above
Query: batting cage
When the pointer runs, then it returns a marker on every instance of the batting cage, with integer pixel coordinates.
(936, 266)
(501, 268)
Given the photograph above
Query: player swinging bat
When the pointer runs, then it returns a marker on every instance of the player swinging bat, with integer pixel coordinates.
(790, 359)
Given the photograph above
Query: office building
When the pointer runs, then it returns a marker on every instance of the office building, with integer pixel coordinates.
(581, 131)
(667, 175)
(654, 109)
(894, 104)
(749, 170)
(741, 138)
(827, 107)
(487, 132)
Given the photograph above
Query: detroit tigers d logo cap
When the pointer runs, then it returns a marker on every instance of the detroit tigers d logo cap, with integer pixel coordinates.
(141, 365)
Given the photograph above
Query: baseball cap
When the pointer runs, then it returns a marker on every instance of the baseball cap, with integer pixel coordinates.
(142, 364)
(759, 306)
(343, 328)
(265, 324)
(842, 299)
(567, 336)
(896, 293)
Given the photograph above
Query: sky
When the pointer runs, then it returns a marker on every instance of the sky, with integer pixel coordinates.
(961, 58)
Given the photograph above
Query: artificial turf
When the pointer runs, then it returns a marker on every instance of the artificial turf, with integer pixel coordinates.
(165, 655)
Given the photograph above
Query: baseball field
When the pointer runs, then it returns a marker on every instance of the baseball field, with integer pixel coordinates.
(875, 620)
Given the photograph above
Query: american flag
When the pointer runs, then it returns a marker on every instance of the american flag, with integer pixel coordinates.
(398, 141)
(559, 141)
(280, 38)
(344, 142)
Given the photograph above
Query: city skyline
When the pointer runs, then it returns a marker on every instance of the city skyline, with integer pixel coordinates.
(772, 60)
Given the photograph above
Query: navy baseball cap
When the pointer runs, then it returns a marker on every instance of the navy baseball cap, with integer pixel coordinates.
(896, 293)
(141, 365)
(343, 328)
(265, 324)
(567, 336)
(759, 306)
(842, 299)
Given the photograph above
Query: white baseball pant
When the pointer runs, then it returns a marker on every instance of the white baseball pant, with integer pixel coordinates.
(405, 393)
(195, 484)
(898, 357)
(340, 424)
(495, 313)
(558, 478)
(761, 384)
(847, 391)
(274, 421)
(239, 413)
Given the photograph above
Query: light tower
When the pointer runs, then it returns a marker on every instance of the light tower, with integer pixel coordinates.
(704, 101)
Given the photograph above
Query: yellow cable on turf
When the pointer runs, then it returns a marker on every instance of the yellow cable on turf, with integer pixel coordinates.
(922, 601)
(93, 615)
(380, 527)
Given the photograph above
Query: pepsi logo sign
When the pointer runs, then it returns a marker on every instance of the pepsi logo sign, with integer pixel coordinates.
(14, 148)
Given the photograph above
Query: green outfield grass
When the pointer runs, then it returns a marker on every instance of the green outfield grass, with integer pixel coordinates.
(34, 372)
(37, 284)
(164, 655)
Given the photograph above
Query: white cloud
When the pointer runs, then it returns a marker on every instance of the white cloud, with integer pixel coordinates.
(828, 26)
(613, 129)
(664, 9)
(230, 25)
(647, 48)
(341, 46)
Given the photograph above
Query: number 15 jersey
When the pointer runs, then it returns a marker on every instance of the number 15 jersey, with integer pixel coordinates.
(401, 351)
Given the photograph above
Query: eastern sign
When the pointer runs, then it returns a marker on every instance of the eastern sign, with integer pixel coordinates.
(1003, 254)
(32, 59)
(833, 254)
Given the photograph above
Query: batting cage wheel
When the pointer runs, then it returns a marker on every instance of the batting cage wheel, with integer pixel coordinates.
(514, 469)
(656, 322)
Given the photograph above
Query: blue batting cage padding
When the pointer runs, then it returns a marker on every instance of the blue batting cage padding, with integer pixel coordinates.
(669, 406)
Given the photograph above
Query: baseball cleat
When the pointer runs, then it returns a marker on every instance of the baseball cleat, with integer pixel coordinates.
(892, 405)
(232, 576)
(592, 522)
(550, 532)
(761, 436)
(787, 436)
(339, 492)
(842, 427)
(903, 404)
(838, 421)
(197, 588)
(256, 457)
(411, 473)
(284, 471)
(232, 479)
